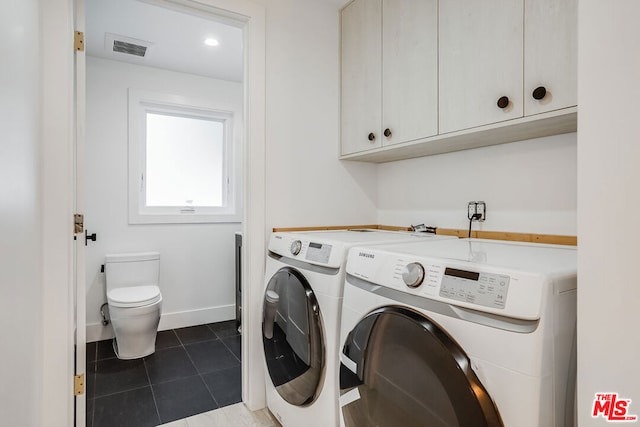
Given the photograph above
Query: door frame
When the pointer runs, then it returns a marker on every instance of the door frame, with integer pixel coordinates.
(79, 242)
(58, 168)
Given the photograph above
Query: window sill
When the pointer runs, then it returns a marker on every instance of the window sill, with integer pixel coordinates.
(185, 218)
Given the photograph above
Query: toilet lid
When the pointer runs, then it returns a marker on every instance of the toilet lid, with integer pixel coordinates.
(134, 296)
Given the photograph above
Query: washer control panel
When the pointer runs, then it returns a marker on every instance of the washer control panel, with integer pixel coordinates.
(486, 289)
(318, 252)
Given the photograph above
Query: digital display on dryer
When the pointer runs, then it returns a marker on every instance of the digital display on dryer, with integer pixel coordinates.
(463, 274)
(315, 245)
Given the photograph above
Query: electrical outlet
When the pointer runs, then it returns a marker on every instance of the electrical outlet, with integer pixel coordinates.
(477, 208)
(471, 209)
(481, 209)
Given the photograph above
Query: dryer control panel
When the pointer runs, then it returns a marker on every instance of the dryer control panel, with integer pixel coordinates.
(490, 289)
(486, 289)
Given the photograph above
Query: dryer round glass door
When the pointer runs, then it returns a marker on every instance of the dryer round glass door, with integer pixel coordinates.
(292, 336)
(400, 369)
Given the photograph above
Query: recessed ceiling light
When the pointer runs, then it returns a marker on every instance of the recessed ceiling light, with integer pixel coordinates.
(211, 42)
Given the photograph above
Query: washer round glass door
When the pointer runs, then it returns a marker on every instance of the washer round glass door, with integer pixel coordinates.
(401, 369)
(292, 336)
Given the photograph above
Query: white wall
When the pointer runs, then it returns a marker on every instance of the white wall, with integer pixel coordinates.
(306, 184)
(528, 186)
(20, 219)
(302, 87)
(197, 260)
(608, 204)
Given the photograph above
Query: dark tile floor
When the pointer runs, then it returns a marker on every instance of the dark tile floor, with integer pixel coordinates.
(193, 370)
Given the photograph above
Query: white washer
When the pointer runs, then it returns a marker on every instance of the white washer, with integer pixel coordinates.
(459, 333)
(301, 319)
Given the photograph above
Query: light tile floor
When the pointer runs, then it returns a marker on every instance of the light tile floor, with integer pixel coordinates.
(237, 415)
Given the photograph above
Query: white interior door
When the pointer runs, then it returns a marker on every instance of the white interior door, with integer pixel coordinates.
(79, 240)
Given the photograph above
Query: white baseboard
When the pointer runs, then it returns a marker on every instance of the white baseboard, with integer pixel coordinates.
(179, 319)
(182, 319)
(97, 332)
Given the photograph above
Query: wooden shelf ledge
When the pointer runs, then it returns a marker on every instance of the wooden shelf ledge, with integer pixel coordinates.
(553, 239)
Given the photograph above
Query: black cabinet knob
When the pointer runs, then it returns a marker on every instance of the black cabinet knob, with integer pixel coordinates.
(539, 93)
(503, 102)
(387, 132)
(371, 136)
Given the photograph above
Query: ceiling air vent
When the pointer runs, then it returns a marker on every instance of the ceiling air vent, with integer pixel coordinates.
(126, 45)
(129, 48)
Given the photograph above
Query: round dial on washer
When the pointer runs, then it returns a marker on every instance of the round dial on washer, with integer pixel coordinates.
(413, 274)
(296, 246)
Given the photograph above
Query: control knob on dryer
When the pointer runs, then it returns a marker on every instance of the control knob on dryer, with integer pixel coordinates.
(413, 274)
(296, 246)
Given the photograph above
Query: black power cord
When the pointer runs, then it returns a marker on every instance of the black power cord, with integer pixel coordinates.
(473, 217)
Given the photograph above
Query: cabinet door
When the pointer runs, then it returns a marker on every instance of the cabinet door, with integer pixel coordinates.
(480, 61)
(409, 70)
(361, 94)
(550, 55)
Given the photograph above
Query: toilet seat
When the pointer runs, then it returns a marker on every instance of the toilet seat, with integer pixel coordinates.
(134, 296)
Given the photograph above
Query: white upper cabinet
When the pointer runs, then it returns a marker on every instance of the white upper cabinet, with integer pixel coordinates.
(480, 62)
(361, 94)
(409, 70)
(389, 72)
(550, 55)
(424, 77)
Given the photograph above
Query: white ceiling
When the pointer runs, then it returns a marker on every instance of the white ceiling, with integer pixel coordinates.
(177, 38)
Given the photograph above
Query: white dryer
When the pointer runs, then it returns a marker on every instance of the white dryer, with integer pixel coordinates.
(301, 320)
(459, 333)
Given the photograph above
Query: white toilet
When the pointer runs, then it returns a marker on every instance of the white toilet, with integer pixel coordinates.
(135, 301)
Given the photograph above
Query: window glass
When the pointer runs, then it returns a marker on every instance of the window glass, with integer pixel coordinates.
(184, 161)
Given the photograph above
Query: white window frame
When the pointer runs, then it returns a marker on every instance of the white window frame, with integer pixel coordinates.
(142, 102)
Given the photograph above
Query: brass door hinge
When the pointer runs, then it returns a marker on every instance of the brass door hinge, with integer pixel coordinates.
(78, 41)
(78, 384)
(78, 223)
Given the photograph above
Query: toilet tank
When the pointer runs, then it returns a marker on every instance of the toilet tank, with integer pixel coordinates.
(131, 269)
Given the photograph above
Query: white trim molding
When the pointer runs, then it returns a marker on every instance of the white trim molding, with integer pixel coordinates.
(175, 320)
(142, 103)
